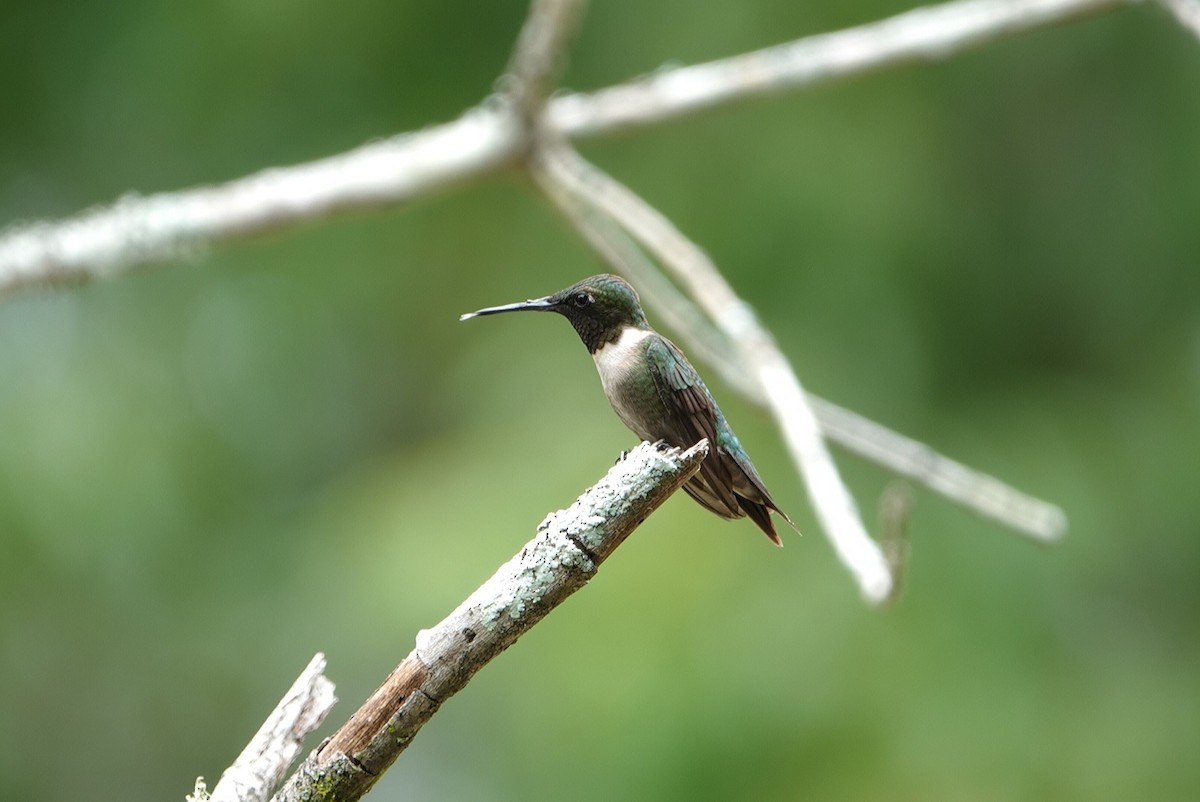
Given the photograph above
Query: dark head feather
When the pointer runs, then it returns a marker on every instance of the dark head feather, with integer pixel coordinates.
(599, 307)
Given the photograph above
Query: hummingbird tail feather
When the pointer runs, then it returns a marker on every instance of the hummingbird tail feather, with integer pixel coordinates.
(761, 515)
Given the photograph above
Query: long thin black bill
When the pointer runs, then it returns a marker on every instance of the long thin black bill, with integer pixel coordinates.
(535, 305)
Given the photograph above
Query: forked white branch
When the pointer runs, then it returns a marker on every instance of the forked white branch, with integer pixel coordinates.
(137, 231)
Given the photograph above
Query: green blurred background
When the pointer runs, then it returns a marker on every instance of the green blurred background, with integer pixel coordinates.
(211, 471)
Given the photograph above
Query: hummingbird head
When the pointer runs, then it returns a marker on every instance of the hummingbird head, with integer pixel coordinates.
(599, 307)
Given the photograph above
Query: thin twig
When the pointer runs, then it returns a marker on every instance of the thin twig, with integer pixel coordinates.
(564, 555)
(756, 349)
(263, 764)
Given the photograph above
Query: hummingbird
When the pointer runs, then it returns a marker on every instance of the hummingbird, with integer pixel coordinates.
(657, 393)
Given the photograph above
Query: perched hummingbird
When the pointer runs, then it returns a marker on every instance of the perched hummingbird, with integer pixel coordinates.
(657, 393)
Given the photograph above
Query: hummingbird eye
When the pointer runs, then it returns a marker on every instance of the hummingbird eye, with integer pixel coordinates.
(581, 299)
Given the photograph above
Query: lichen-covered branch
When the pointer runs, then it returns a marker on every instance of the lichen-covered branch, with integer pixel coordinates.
(263, 764)
(568, 549)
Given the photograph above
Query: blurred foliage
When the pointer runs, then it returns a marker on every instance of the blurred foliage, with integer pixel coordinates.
(211, 471)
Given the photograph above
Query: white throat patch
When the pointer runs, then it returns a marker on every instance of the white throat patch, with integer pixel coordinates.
(614, 359)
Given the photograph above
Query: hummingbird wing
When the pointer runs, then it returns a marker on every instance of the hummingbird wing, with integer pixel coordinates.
(727, 483)
(692, 416)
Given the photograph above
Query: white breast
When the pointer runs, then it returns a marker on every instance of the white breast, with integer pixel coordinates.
(615, 359)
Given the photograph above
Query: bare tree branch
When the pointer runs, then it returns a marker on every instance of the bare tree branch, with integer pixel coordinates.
(539, 54)
(137, 231)
(985, 495)
(565, 554)
(263, 764)
(931, 33)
